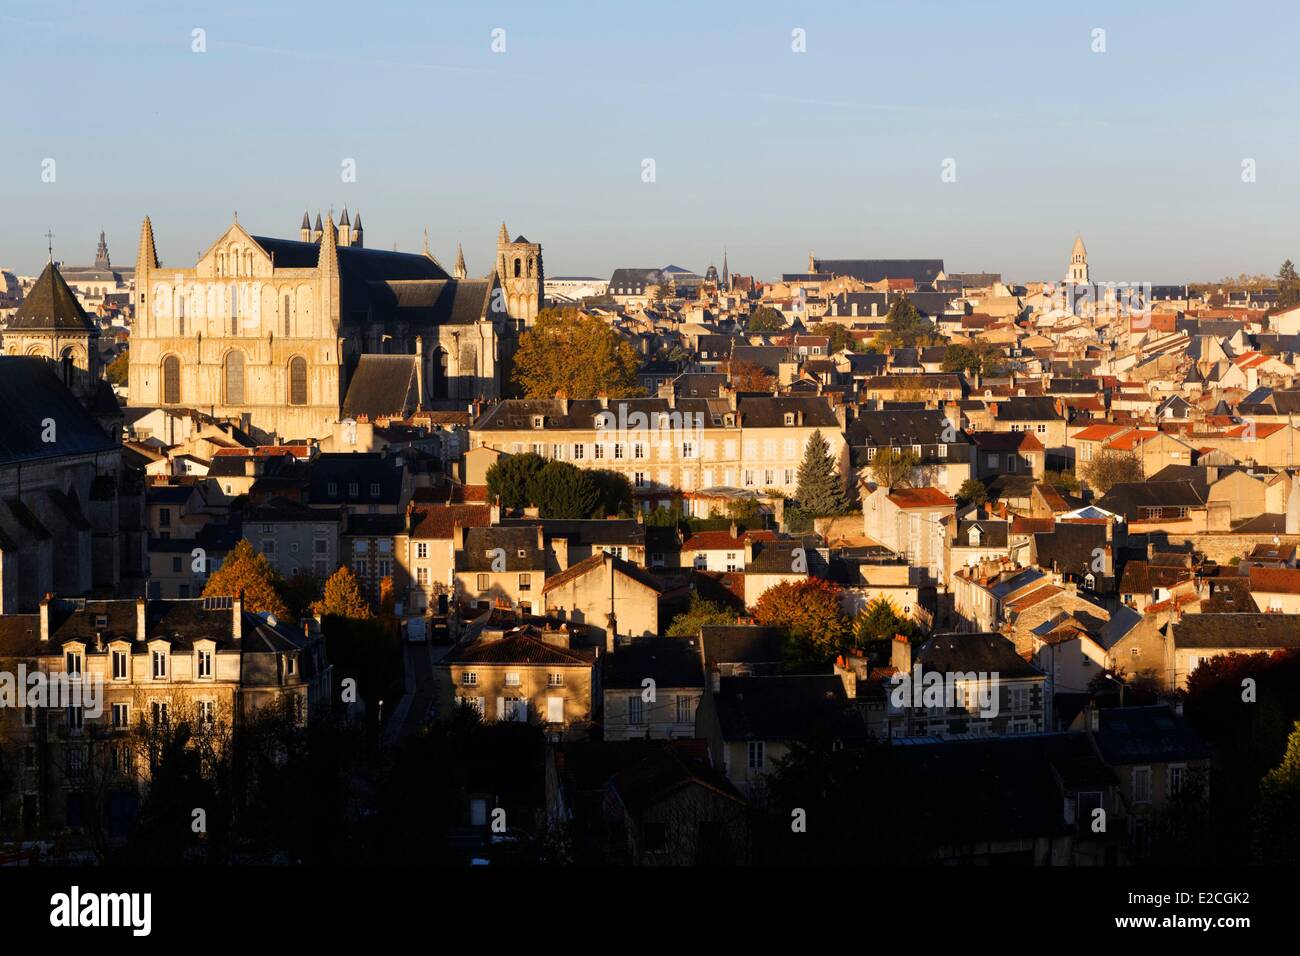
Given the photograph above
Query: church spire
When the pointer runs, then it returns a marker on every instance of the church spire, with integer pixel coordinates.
(304, 231)
(328, 261)
(147, 258)
(504, 234)
(460, 272)
(726, 272)
(101, 253)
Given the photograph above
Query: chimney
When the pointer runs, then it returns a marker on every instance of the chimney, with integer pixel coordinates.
(458, 537)
(237, 616)
(716, 680)
(900, 654)
(45, 616)
(1094, 718)
(993, 410)
(141, 619)
(733, 529)
(563, 398)
(495, 511)
(604, 399)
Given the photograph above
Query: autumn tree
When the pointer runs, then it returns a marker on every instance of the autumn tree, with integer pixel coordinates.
(343, 597)
(880, 620)
(748, 376)
(510, 478)
(809, 612)
(246, 571)
(1111, 468)
(116, 373)
(569, 351)
(820, 490)
(1288, 287)
(893, 467)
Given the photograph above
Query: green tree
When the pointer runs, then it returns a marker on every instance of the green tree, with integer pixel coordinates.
(1288, 287)
(246, 571)
(879, 621)
(116, 373)
(893, 467)
(562, 490)
(614, 492)
(820, 490)
(1111, 468)
(1277, 818)
(569, 351)
(972, 492)
(766, 319)
(510, 478)
(343, 597)
(905, 325)
(841, 338)
(701, 613)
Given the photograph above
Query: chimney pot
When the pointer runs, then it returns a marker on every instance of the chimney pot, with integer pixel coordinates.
(45, 616)
(141, 618)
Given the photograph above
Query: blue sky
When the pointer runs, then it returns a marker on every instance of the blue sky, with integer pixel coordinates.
(767, 152)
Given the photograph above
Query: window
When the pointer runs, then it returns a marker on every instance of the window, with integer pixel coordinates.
(160, 712)
(121, 716)
(512, 679)
(635, 710)
(474, 702)
(374, 489)
(422, 550)
(516, 708)
(171, 376)
(207, 713)
(159, 665)
(555, 710)
(72, 663)
(297, 377)
(756, 755)
(555, 679)
(579, 451)
(205, 664)
(483, 582)
(525, 582)
(598, 450)
(684, 715)
(76, 718)
(354, 488)
(1141, 784)
(119, 665)
(469, 678)
(1177, 777)
(422, 576)
(235, 378)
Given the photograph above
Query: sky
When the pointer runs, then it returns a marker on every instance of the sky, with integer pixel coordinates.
(766, 152)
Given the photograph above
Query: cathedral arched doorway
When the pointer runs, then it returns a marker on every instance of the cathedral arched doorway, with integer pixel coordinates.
(171, 380)
(438, 375)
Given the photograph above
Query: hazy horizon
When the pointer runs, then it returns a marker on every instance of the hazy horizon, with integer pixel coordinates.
(760, 150)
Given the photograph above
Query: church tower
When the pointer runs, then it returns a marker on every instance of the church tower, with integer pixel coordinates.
(519, 267)
(1078, 273)
(101, 254)
(51, 323)
(461, 272)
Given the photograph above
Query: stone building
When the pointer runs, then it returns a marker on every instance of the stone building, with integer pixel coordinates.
(281, 333)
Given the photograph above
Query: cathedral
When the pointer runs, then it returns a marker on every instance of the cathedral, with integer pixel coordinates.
(291, 336)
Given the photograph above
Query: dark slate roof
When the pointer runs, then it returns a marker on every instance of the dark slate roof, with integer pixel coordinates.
(343, 468)
(741, 644)
(669, 661)
(768, 357)
(522, 648)
(383, 386)
(1245, 632)
(626, 568)
(922, 271)
(431, 301)
(1009, 787)
(1144, 735)
(769, 412)
(51, 306)
(658, 776)
(985, 652)
(30, 393)
(1072, 548)
(786, 707)
(1126, 498)
(480, 543)
(699, 384)
(1028, 409)
(587, 531)
(993, 534)
(892, 427)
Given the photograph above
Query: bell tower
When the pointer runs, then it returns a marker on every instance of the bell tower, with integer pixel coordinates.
(1078, 272)
(519, 268)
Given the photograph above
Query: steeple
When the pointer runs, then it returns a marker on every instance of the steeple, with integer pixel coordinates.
(425, 250)
(358, 237)
(1078, 271)
(304, 231)
(460, 271)
(101, 253)
(147, 257)
(726, 273)
(319, 230)
(504, 235)
(345, 229)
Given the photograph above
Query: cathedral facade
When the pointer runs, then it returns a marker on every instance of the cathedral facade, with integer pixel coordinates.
(283, 334)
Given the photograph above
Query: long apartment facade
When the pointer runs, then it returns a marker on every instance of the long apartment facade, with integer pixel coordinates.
(670, 446)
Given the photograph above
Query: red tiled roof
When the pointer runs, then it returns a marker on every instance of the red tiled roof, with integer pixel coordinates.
(438, 521)
(722, 540)
(1098, 432)
(920, 498)
(1275, 580)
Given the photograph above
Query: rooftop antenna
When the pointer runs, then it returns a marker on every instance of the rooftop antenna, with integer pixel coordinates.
(49, 239)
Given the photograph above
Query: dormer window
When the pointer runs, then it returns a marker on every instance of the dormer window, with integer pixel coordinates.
(1090, 581)
(789, 418)
(539, 421)
(72, 663)
(159, 660)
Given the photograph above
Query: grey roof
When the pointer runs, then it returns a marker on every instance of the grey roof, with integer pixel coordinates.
(383, 386)
(922, 271)
(1237, 631)
(786, 707)
(669, 661)
(1144, 735)
(482, 543)
(51, 306)
(31, 394)
(987, 652)
(741, 644)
